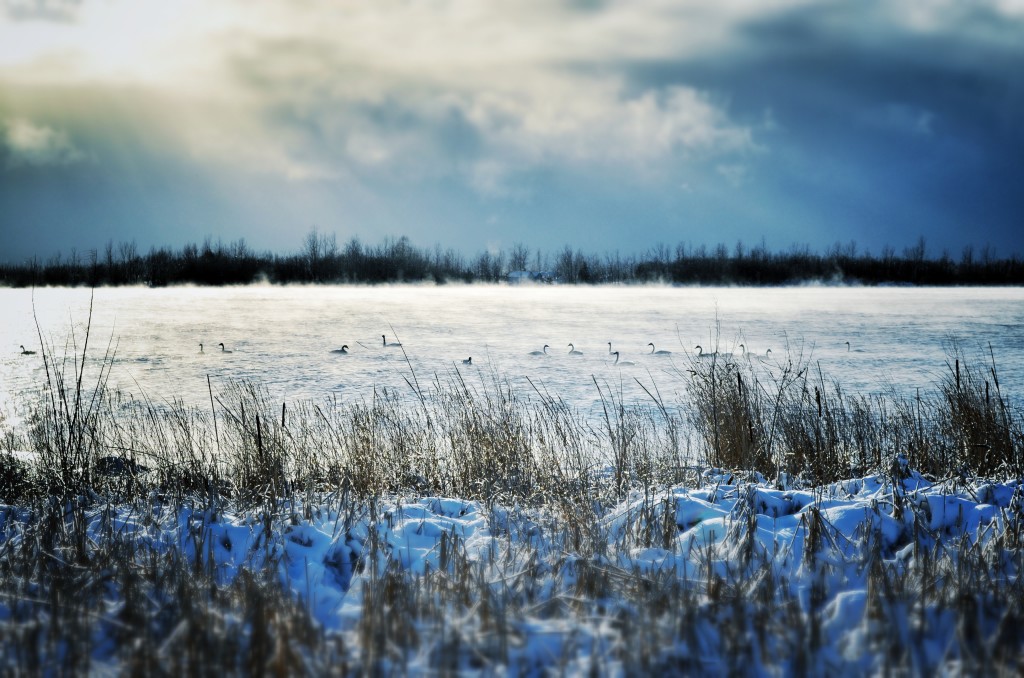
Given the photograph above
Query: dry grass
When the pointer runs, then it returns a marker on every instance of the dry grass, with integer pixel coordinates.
(784, 416)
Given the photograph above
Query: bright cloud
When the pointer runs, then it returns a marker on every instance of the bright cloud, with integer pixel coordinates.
(30, 144)
(313, 91)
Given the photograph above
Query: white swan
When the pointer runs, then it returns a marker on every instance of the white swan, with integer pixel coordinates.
(543, 351)
(702, 354)
(200, 347)
(573, 351)
(623, 363)
(610, 348)
(224, 350)
(384, 340)
(750, 355)
(653, 352)
(712, 354)
(25, 351)
(468, 361)
(343, 350)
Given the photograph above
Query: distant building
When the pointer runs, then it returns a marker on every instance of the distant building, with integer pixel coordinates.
(516, 277)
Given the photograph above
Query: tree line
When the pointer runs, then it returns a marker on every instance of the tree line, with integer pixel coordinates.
(320, 259)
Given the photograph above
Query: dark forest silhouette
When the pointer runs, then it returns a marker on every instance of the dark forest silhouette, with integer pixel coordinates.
(322, 260)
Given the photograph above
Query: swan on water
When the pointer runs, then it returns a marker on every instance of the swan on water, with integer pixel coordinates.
(543, 351)
(610, 348)
(573, 351)
(468, 361)
(343, 350)
(384, 339)
(224, 350)
(847, 347)
(712, 354)
(624, 363)
(750, 355)
(25, 351)
(200, 347)
(653, 352)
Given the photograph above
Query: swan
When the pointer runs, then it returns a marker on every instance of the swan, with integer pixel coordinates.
(702, 354)
(847, 347)
(543, 351)
(25, 351)
(573, 351)
(712, 354)
(384, 339)
(653, 352)
(200, 348)
(343, 350)
(610, 348)
(468, 361)
(750, 355)
(224, 350)
(624, 363)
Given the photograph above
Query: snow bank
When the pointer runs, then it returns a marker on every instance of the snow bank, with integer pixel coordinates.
(817, 548)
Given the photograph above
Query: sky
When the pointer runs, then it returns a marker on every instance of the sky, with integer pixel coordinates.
(605, 125)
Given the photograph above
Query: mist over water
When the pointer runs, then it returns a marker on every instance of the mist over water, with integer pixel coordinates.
(282, 337)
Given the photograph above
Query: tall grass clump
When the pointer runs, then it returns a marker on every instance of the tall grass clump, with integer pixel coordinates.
(66, 429)
(786, 417)
(984, 432)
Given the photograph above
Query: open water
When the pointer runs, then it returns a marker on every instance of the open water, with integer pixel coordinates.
(282, 337)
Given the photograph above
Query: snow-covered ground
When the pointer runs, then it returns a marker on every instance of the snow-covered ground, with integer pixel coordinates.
(886, 571)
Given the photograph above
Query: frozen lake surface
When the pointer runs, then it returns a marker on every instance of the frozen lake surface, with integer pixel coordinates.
(282, 337)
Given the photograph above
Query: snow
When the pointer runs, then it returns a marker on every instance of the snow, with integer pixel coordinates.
(329, 558)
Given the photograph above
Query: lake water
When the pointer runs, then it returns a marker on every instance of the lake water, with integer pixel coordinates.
(282, 337)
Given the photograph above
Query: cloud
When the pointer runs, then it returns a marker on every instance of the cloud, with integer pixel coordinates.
(485, 134)
(27, 144)
(902, 118)
(59, 11)
(597, 123)
(734, 174)
(406, 91)
(895, 112)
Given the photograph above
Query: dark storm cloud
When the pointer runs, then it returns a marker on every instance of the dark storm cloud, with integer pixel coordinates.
(880, 126)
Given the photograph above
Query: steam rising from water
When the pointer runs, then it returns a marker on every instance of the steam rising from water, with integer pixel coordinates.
(283, 336)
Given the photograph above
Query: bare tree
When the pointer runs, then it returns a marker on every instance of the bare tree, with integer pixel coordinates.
(318, 250)
(518, 260)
